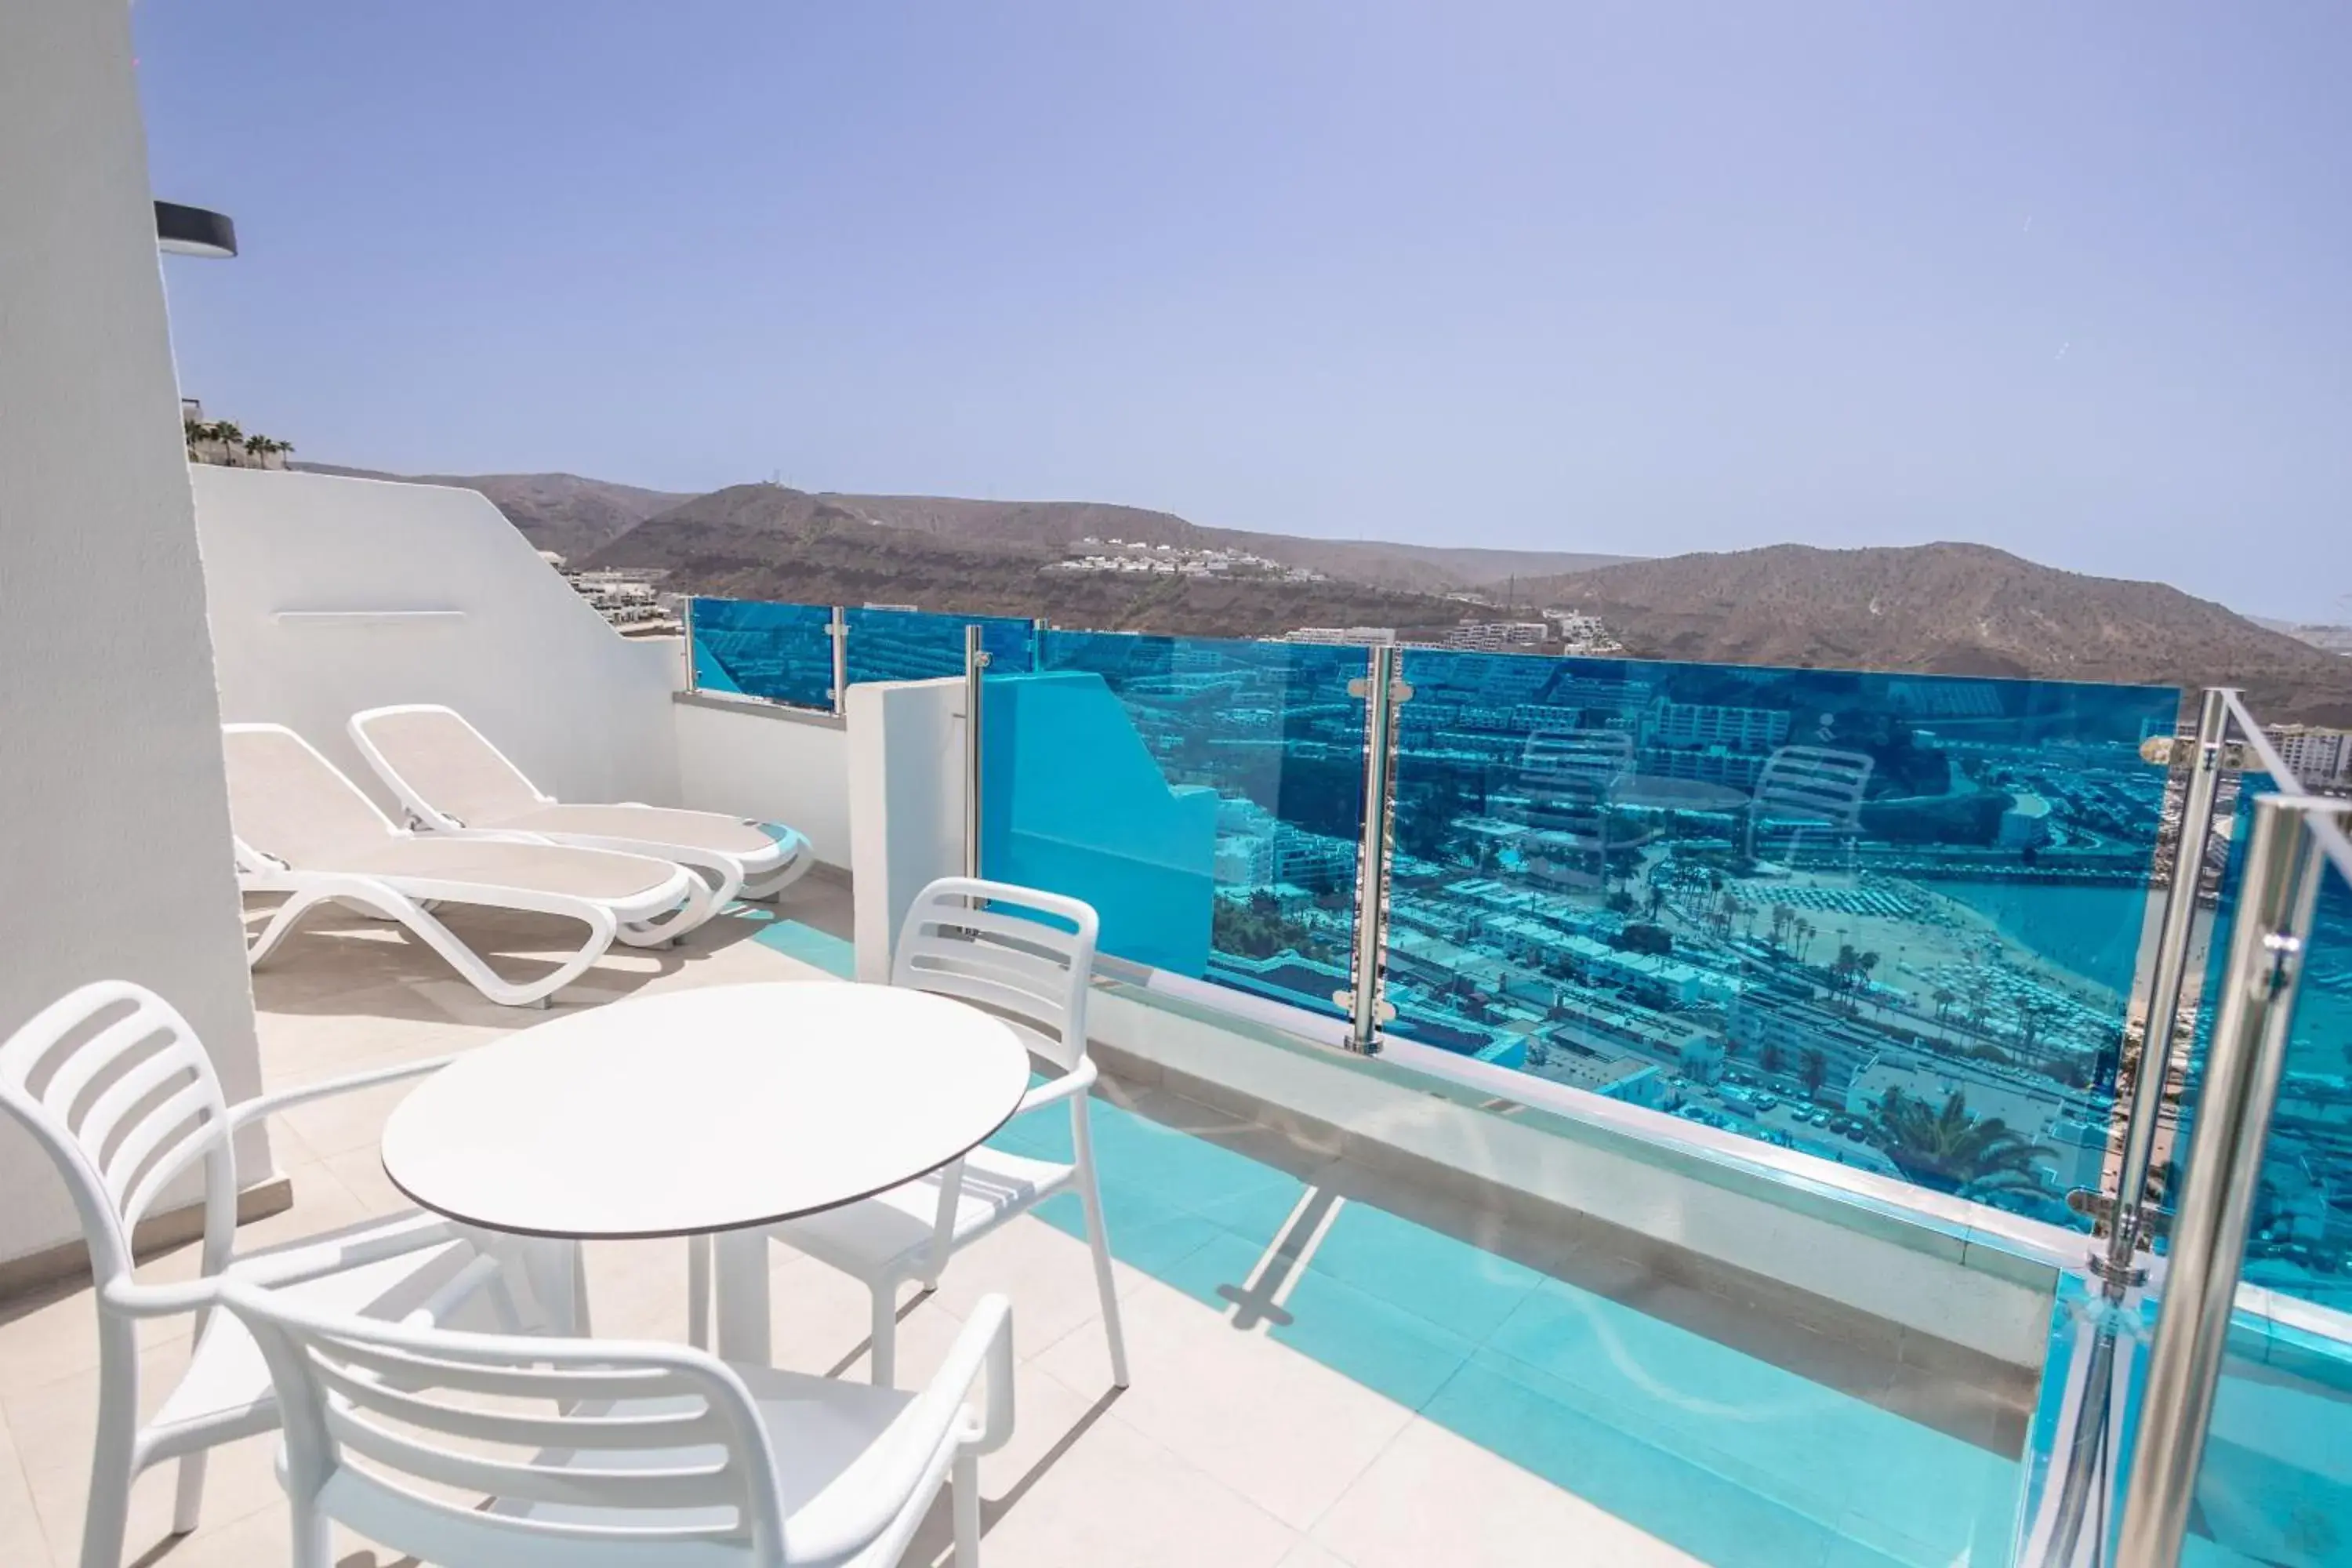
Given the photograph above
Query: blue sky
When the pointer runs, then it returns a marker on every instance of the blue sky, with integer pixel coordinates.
(2074, 279)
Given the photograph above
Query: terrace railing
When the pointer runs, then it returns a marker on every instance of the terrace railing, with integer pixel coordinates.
(2013, 944)
(1896, 921)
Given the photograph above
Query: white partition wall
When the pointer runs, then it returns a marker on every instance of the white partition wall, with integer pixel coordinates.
(331, 595)
(114, 845)
(906, 803)
(747, 759)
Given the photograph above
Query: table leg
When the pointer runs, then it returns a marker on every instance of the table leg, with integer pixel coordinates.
(697, 1291)
(742, 1280)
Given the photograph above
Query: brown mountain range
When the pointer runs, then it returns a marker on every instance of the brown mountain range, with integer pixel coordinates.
(1954, 609)
(766, 541)
(574, 517)
(1945, 608)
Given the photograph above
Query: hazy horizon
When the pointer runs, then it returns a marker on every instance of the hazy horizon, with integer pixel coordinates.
(1616, 279)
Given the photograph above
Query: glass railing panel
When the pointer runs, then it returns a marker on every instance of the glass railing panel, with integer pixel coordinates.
(2309, 1153)
(2276, 1485)
(919, 645)
(1893, 921)
(1206, 796)
(780, 652)
(2301, 1237)
(2302, 1240)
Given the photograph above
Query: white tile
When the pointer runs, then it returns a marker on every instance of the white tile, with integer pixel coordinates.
(56, 1424)
(1433, 1496)
(240, 1480)
(1279, 1428)
(1115, 1497)
(21, 1537)
(344, 1122)
(1048, 1275)
(59, 1337)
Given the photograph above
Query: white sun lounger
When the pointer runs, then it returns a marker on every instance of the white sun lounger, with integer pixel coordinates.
(452, 780)
(304, 829)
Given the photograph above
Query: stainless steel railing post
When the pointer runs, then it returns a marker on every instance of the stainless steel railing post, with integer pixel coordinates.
(838, 631)
(1367, 1008)
(2243, 1064)
(975, 666)
(686, 625)
(2128, 1223)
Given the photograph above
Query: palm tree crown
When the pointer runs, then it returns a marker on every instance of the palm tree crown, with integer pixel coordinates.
(1950, 1150)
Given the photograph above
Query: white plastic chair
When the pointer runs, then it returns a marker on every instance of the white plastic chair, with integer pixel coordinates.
(587, 1454)
(1028, 956)
(115, 1088)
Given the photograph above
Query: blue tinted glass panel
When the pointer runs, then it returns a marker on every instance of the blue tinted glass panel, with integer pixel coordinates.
(1205, 796)
(1889, 919)
(915, 645)
(2301, 1241)
(780, 652)
(2270, 1489)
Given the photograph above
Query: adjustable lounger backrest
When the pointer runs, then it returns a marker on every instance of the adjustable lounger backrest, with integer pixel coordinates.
(442, 766)
(290, 803)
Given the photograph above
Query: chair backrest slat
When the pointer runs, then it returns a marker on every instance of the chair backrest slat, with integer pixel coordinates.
(1019, 951)
(104, 1049)
(138, 1083)
(520, 1379)
(1044, 1022)
(114, 1084)
(379, 1411)
(202, 1139)
(165, 1130)
(1037, 979)
(690, 1480)
(578, 1428)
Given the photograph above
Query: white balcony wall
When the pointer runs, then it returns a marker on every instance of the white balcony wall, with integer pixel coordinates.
(773, 764)
(332, 595)
(906, 791)
(114, 845)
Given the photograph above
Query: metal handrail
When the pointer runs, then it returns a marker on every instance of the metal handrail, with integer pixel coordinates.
(2260, 744)
(2335, 844)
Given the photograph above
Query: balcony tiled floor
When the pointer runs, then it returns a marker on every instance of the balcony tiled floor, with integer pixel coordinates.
(1328, 1368)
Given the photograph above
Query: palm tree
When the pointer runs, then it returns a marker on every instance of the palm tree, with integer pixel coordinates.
(1950, 1150)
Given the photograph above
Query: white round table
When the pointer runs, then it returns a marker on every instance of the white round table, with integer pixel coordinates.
(718, 1110)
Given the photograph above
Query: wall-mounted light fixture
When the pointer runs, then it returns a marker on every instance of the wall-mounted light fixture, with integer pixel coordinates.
(192, 231)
